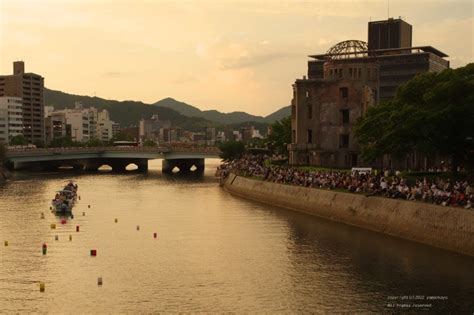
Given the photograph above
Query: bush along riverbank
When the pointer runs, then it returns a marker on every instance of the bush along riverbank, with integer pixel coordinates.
(4, 175)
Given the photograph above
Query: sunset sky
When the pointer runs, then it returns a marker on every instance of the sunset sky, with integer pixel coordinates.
(225, 55)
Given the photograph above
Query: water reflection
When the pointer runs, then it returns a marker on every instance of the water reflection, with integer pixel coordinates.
(214, 252)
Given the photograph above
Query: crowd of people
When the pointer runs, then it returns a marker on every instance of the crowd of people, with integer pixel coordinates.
(375, 183)
(64, 200)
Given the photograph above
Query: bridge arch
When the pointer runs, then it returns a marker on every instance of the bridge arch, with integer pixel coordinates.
(132, 167)
(104, 167)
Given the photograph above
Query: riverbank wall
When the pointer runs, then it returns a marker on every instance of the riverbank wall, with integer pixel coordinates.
(448, 228)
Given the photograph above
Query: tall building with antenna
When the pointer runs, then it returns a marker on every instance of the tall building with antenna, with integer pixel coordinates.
(29, 87)
(391, 33)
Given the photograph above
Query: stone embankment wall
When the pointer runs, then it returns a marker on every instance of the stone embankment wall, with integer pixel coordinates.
(444, 227)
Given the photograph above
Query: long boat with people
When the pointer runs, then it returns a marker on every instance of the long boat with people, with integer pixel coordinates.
(65, 199)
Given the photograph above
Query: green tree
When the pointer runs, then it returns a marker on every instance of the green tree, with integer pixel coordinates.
(280, 135)
(39, 143)
(18, 140)
(122, 136)
(433, 114)
(94, 143)
(3, 154)
(149, 143)
(63, 142)
(231, 150)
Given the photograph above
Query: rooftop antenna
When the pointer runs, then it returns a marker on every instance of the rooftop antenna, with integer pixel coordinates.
(388, 9)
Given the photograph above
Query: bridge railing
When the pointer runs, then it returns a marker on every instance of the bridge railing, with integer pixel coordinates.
(72, 150)
(47, 151)
(194, 149)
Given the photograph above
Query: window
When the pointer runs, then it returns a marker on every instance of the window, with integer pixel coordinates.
(307, 94)
(345, 116)
(360, 73)
(344, 141)
(343, 92)
(350, 72)
(309, 110)
(339, 72)
(310, 135)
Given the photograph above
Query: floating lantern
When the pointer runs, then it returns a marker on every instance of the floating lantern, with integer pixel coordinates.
(94, 252)
(45, 248)
(42, 286)
(99, 281)
(77, 228)
(6, 243)
(53, 226)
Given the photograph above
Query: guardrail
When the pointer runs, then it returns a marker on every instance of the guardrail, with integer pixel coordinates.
(159, 150)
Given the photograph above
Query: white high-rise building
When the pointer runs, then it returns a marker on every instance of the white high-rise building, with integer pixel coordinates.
(105, 126)
(86, 123)
(11, 118)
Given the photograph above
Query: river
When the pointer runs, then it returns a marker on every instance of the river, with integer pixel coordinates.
(213, 253)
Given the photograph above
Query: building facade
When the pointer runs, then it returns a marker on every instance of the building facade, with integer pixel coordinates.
(80, 124)
(210, 135)
(56, 126)
(29, 87)
(11, 118)
(343, 83)
(151, 129)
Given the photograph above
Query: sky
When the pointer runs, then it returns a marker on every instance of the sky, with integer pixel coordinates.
(222, 54)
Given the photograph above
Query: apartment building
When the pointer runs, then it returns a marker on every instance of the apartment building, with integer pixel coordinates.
(11, 118)
(29, 87)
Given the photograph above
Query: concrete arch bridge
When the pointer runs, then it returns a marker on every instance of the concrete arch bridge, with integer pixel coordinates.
(118, 158)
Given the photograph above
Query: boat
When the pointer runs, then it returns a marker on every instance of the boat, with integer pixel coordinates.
(65, 199)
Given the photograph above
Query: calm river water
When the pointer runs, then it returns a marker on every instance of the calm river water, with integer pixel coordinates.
(214, 253)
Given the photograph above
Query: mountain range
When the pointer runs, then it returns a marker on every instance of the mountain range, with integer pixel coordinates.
(179, 113)
(218, 117)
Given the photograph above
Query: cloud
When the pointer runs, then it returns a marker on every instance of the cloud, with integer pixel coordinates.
(115, 74)
(254, 60)
(184, 78)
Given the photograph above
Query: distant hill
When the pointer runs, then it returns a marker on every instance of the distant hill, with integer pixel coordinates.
(126, 113)
(279, 114)
(221, 118)
(179, 113)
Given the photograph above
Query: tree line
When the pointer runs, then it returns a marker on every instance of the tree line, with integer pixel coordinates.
(431, 114)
